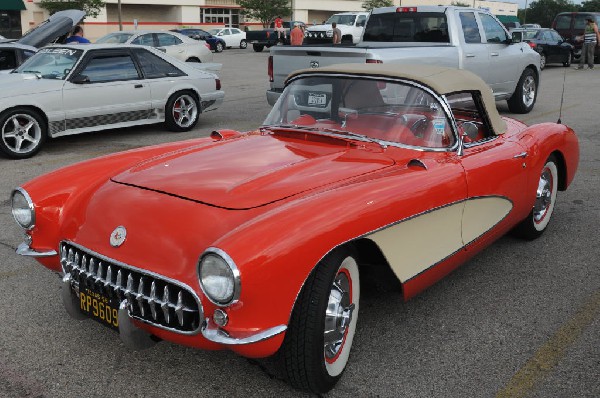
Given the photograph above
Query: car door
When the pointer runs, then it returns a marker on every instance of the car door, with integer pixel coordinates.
(172, 45)
(106, 90)
(505, 65)
(236, 37)
(225, 34)
(475, 54)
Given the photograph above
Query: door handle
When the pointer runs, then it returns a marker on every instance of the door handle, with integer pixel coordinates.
(470, 55)
(138, 86)
(521, 155)
(494, 54)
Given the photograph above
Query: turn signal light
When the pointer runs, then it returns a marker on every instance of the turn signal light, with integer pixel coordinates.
(218, 84)
(270, 68)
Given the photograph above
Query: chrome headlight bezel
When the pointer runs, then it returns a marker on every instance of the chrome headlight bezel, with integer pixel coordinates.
(20, 191)
(231, 268)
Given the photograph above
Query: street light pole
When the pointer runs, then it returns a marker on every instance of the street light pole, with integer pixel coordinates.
(525, 13)
(119, 13)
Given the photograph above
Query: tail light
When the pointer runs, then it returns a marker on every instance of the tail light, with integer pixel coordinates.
(374, 61)
(218, 84)
(270, 68)
(406, 9)
(207, 45)
(532, 44)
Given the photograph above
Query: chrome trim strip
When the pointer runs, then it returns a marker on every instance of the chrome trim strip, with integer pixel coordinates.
(29, 203)
(133, 294)
(25, 250)
(215, 334)
(237, 284)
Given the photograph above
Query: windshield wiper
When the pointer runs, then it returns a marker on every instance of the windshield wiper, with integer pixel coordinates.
(37, 73)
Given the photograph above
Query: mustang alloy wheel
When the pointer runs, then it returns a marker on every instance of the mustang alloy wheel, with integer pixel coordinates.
(319, 338)
(545, 197)
(181, 113)
(525, 94)
(23, 131)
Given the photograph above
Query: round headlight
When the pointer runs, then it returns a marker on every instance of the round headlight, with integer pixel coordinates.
(219, 277)
(22, 208)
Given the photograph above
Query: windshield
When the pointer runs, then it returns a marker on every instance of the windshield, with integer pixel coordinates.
(51, 63)
(529, 34)
(214, 31)
(342, 19)
(115, 38)
(391, 112)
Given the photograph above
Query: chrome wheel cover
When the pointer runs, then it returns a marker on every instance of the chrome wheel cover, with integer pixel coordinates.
(21, 133)
(338, 315)
(528, 91)
(543, 200)
(185, 111)
(542, 61)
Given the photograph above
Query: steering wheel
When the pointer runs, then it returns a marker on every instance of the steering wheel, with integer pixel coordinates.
(420, 127)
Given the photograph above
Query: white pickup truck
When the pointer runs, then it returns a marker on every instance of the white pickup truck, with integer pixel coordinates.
(459, 37)
(351, 24)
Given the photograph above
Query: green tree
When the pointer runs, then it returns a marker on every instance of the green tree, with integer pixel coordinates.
(370, 4)
(590, 5)
(91, 7)
(544, 11)
(265, 11)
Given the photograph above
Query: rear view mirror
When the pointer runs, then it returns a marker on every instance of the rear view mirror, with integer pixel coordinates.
(80, 79)
(517, 37)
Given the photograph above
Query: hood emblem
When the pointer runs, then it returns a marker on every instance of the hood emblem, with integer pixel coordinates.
(117, 237)
(314, 64)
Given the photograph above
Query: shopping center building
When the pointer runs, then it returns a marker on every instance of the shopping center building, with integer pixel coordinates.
(18, 16)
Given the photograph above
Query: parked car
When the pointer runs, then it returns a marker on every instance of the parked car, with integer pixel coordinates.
(458, 37)
(571, 25)
(549, 44)
(55, 29)
(259, 242)
(350, 24)
(216, 43)
(172, 43)
(233, 37)
(531, 25)
(73, 89)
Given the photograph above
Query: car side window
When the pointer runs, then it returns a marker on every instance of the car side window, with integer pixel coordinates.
(469, 27)
(144, 40)
(494, 33)
(225, 32)
(108, 68)
(165, 40)
(154, 67)
(469, 115)
(556, 36)
(361, 20)
(236, 31)
(580, 22)
(8, 59)
(563, 22)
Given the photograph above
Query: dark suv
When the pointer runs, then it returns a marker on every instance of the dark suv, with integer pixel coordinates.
(572, 24)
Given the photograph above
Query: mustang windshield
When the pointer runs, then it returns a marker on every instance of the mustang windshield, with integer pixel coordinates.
(390, 112)
(51, 63)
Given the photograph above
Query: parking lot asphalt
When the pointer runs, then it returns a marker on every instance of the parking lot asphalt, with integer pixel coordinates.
(520, 319)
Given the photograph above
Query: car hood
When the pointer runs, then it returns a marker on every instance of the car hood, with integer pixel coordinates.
(58, 25)
(14, 84)
(255, 170)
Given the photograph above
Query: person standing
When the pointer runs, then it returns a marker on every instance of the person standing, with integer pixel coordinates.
(77, 36)
(337, 34)
(296, 35)
(279, 28)
(590, 40)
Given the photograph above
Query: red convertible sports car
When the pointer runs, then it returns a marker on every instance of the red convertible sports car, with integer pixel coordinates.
(256, 242)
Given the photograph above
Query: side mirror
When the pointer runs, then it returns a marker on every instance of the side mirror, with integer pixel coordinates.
(80, 79)
(161, 49)
(360, 23)
(517, 37)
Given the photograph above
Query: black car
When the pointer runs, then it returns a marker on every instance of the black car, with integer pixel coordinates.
(216, 44)
(549, 44)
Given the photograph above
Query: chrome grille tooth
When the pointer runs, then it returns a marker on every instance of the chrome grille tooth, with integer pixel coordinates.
(165, 304)
(119, 281)
(129, 288)
(91, 267)
(77, 258)
(153, 300)
(101, 270)
(140, 296)
(108, 275)
(70, 255)
(179, 308)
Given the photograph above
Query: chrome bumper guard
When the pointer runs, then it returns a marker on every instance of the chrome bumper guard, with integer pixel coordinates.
(212, 332)
(25, 250)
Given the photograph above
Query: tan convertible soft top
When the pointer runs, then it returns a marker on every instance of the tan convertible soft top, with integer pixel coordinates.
(440, 79)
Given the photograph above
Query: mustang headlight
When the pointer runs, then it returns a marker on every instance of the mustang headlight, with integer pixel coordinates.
(22, 208)
(219, 277)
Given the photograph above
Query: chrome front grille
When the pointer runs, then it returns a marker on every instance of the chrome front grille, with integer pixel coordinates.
(149, 297)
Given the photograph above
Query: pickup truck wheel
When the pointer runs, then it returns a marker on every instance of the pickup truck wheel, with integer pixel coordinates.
(219, 47)
(542, 61)
(317, 343)
(569, 59)
(182, 111)
(258, 47)
(536, 222)
(22, 132)
(525, 94)
(243, 44)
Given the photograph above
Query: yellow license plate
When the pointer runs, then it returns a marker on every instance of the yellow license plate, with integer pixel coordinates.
(99, 308)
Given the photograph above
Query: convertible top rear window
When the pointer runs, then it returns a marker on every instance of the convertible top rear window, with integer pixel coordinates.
(407, 27)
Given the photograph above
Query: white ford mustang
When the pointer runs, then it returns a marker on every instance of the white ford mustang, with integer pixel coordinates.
(72, 89)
